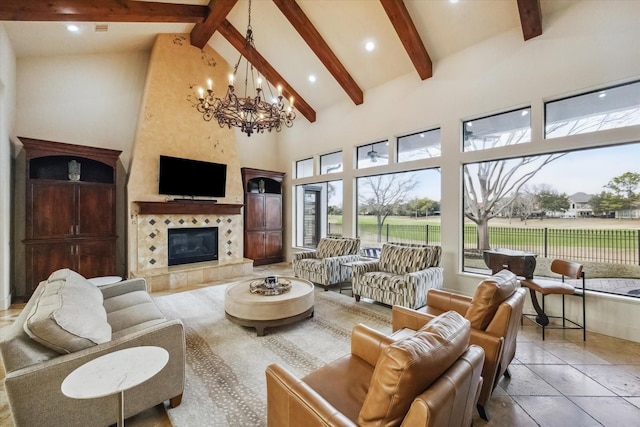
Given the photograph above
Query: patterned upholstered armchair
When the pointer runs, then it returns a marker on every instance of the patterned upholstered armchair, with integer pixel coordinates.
(322, 266)
(402, 276)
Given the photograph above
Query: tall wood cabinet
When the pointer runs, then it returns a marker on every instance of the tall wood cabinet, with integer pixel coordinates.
(70, 219)
(263, 232)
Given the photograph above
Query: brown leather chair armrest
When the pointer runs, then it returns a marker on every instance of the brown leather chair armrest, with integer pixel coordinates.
(293, 403)
(492, 354)
(402, 317)
(367, 343)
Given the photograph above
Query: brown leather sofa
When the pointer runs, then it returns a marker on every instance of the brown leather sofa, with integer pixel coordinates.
(429, 377)
(494, 312)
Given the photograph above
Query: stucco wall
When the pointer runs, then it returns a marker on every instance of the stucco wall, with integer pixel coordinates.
(170, 125)
(7, 115)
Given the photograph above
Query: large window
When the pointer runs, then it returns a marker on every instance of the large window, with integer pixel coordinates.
(581, 206)
(420, 145)
(400, 207)
(331, 163)
(376, 154)
(513, 127)
(610, 108)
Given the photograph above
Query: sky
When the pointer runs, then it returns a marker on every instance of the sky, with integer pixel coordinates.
(589, 171)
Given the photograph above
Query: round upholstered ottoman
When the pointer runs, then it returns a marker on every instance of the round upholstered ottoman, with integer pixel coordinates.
(259, 311)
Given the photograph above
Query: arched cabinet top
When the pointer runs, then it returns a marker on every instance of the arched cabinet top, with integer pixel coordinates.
(262, 181)
(53, 161)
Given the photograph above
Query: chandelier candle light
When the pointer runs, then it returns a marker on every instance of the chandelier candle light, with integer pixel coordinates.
(250, 114)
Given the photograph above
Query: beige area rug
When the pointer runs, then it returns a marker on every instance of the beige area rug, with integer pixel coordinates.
(225, 372)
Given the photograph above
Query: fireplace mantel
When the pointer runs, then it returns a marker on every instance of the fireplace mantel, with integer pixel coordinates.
(194, 207)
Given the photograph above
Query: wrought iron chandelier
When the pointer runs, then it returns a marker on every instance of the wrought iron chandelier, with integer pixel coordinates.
(250, 114)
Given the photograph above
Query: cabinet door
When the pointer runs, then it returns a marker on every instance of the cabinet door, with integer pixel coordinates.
(96, 258)
(44, 259)
(273, 244)
(273, 211)
(254, 245)
(255, 212)
(52, 209)
(96, 205)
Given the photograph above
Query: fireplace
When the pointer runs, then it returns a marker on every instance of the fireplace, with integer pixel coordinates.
(188, 245)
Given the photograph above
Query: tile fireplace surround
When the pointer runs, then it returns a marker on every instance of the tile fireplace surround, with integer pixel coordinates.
(152, 246)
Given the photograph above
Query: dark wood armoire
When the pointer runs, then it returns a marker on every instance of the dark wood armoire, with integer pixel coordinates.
(263, 232)
(70, 210)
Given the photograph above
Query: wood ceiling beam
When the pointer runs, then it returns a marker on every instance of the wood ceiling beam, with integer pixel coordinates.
(239, 42)
(406, 29)
(292, 11)
(218, 11)
(100, 11)
(530, 18)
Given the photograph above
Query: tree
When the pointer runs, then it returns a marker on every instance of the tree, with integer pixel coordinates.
(624, 189)
(380, 195)
(420, 207)
(486, 184)
(549, 200)
(524, 204)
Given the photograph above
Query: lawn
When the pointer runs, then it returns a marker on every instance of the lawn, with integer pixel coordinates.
(609, 247)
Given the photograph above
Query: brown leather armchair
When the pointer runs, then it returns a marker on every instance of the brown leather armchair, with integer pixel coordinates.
(429, 377)
(494, 312)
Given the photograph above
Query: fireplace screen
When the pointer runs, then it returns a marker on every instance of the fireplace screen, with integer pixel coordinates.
(187, 245)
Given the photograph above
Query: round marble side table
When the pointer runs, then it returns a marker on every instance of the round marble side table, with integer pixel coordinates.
(105, 280)
(114, 373)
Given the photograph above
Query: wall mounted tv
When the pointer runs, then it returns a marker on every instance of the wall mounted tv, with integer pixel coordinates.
(193, 178)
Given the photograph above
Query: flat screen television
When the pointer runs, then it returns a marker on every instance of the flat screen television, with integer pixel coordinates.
(193, 178)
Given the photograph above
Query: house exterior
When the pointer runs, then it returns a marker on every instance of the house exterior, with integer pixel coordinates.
(579, 206)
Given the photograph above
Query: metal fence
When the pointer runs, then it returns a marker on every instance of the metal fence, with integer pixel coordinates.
(617, 246)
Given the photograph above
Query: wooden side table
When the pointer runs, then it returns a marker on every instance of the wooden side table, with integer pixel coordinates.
(114, 373)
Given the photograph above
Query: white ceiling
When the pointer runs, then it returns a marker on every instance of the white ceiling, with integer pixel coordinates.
(445, 28)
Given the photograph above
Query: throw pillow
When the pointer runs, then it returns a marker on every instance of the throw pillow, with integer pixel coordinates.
(489, 294)
(410, 365)
(68, 316)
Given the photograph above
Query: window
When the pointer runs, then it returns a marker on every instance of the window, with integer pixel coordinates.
(376, 154)
(400, 207)
(304, 168)
(555, 206)
(318, 212)
(610, 108)
(513, 127)
(331, 163)
(420, 145)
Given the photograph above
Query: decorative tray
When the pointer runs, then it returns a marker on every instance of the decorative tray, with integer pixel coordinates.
(261, 287)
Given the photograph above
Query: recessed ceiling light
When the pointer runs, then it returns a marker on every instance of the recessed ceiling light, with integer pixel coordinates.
(73, 28)
(453, 1)
(369, 46)
(312, 78)
(602, 94)
(422, 135)
(524, 112)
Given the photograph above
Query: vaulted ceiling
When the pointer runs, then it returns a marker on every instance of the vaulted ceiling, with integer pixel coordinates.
(294, 39)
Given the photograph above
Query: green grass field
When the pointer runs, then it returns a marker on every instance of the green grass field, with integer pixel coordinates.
(612, 234)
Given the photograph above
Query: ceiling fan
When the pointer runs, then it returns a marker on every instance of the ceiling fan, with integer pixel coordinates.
(373, 155)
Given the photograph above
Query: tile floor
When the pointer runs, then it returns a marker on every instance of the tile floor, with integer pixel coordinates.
(561, 381)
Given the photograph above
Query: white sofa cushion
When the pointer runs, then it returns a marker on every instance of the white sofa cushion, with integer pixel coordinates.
(68, 316)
